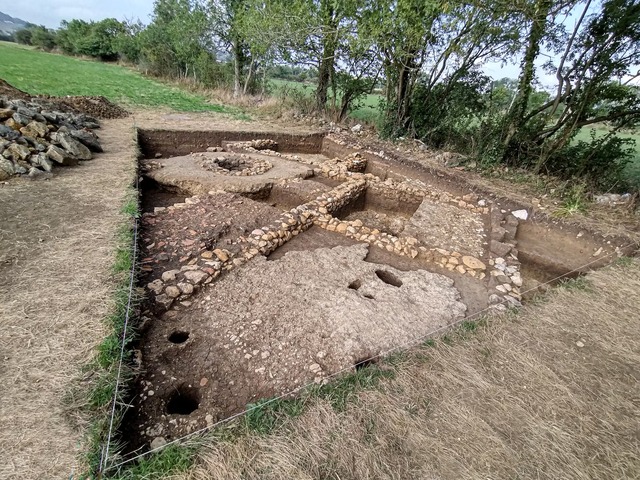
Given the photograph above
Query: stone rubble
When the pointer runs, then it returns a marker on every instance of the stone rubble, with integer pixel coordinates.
(236, 165)
(33, 140)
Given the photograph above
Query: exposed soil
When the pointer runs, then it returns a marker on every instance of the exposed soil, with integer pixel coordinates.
(549, 393)
(270, 326)
(95, 106)
(449, 227)
(12, 92)
(172, 238)
(323, 300)
(472, 293)
(188, 174)
(57, 242)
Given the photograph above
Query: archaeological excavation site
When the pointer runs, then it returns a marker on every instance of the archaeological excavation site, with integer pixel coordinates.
(275, 260)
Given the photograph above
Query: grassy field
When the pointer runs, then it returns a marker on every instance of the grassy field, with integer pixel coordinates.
(43, 73)
(367, 111)
(632, 172)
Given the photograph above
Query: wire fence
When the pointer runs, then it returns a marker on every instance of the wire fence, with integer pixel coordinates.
(412, 343)
(104, 457)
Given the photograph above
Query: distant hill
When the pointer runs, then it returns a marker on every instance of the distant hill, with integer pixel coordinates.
(9, 24)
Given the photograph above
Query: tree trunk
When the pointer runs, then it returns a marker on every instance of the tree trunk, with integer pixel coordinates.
(327, 62)
(405, 69)
(516, 115)
(249, 75)
(237, 68)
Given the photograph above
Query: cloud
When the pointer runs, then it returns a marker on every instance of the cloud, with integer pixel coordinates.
(51, 12)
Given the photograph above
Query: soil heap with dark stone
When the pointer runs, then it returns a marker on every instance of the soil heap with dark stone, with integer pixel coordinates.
(35, 137)
(95, 106)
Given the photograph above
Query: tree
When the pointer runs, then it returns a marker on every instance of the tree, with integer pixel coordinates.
(43, 38)
(178, 41)
(23, 36)
(450, 99)
(603, 47)
(102, 40)
(72, 35)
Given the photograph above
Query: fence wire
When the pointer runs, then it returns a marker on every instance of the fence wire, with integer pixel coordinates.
(104, 457)
(414, 342)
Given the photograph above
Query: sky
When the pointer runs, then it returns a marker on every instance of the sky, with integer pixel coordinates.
(51, 12)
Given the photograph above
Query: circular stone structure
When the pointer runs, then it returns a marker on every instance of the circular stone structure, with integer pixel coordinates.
(240, 165)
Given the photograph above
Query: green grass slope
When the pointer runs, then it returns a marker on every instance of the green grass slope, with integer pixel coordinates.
(43, 73)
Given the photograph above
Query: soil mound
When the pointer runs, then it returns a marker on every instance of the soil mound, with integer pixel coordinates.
(98, 106)
(12, 92)
(94, 106)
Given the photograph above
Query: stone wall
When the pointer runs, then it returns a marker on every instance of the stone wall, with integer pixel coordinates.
(502, 275)
(179, 285)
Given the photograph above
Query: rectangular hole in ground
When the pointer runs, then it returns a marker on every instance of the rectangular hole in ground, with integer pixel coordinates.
(169, 143)
(182, 336)
(155, 195)
(378, 212)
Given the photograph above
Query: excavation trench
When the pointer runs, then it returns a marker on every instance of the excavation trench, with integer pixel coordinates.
(271, 261)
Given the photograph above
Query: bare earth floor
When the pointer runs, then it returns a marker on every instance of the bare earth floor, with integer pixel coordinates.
(549, 393)
(57, 245)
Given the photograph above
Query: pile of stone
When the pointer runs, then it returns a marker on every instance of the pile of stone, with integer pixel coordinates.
(33, 139)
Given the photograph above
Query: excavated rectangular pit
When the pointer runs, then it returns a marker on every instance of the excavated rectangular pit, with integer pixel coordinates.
(223, 326)
(168, 143)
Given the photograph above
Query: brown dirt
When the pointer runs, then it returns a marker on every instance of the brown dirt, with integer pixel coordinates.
(549, 393)
(57, 244)
(172, 238)
(188, 174)
(12, 92)
(95, 106)
(472, 293)
(271, 326)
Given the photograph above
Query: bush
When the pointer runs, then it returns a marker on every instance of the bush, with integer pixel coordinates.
(23, 36)
(448, 114)
(601, 161)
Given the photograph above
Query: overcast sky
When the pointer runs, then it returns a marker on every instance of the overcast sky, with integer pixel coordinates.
(51, 12)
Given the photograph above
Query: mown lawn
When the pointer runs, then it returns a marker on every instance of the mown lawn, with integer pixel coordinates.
(43, 73)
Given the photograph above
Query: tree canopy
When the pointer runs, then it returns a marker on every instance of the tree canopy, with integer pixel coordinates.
(427, 57)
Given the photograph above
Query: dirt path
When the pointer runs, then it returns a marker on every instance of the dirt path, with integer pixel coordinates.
(551, 393)
(57, 243)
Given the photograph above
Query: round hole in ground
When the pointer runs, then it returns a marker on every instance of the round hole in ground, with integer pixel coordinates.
(389, 278)
(364, 363)
(178, 336)
(355, 285)
(183, 401)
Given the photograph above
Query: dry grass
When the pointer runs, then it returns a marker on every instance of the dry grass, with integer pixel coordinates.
(57, 245)
(518, 399)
